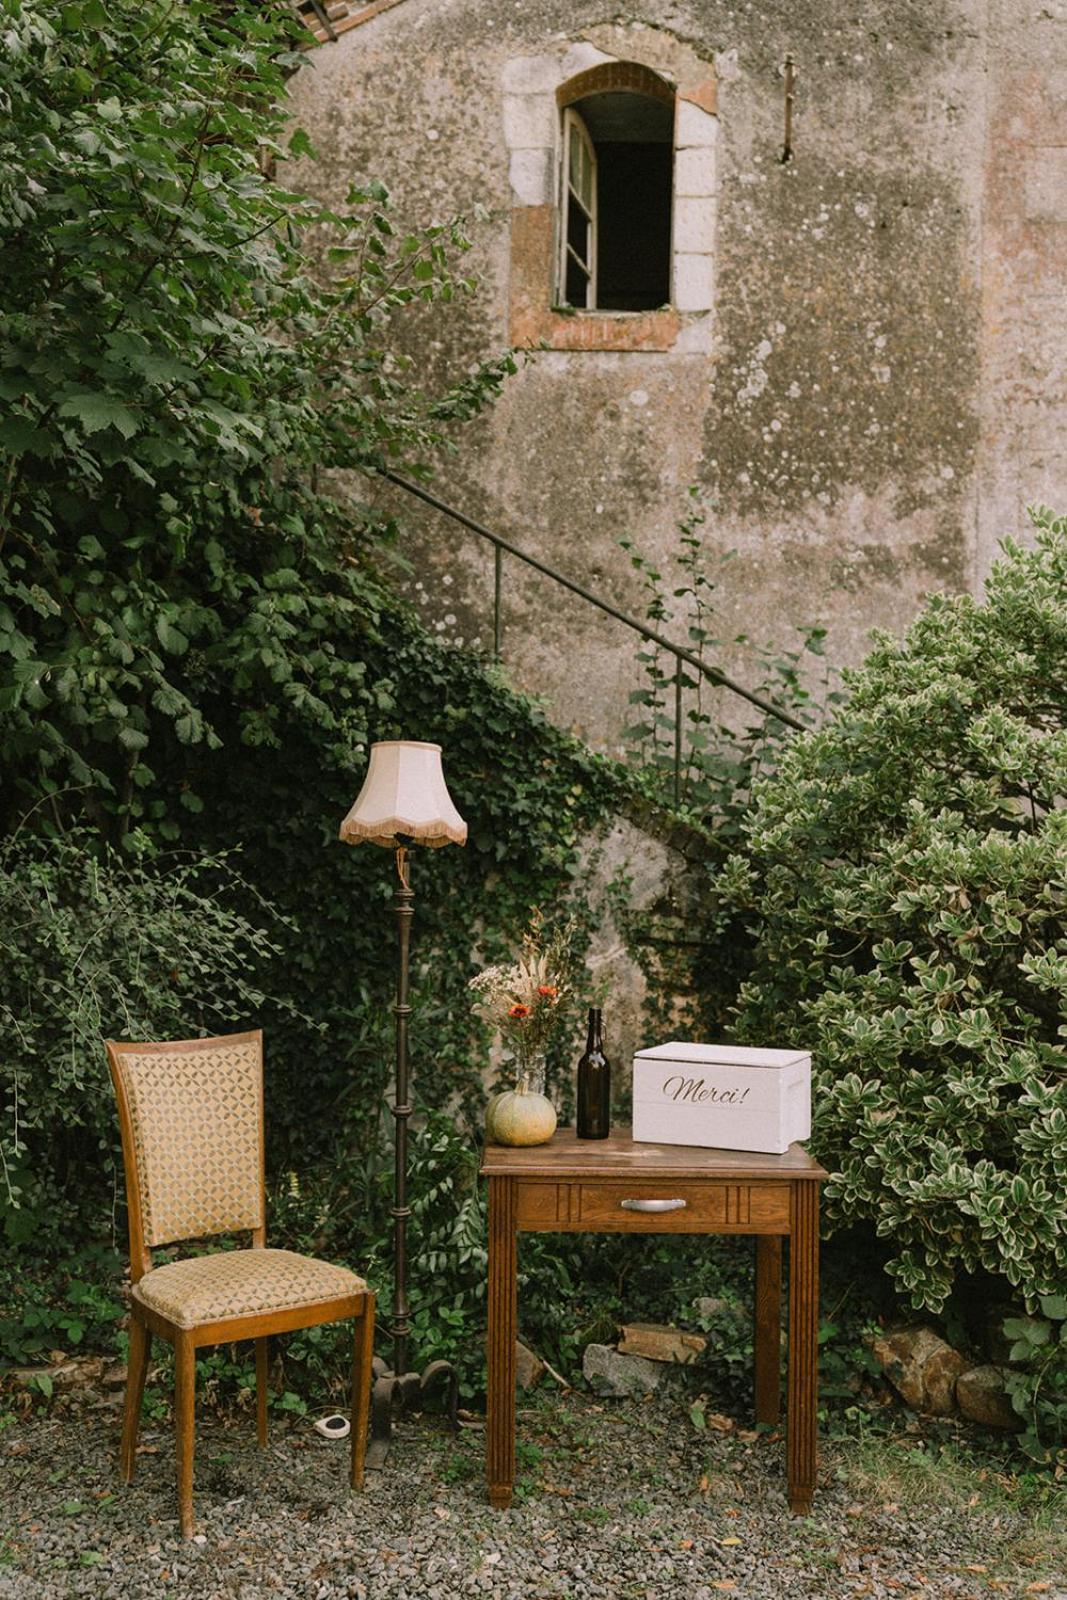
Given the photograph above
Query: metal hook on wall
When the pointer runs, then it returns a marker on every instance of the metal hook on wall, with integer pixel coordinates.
(789, 72)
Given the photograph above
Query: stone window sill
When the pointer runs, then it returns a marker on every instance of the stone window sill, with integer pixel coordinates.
(603, 330)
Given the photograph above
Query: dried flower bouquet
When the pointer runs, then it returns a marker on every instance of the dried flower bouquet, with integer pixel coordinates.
(523, 998)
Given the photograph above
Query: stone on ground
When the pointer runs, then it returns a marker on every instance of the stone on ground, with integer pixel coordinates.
(658, 1341)
(62, 1375)
(922, 1368)
(529, 1368)
(619, 1377)
(982, 1397)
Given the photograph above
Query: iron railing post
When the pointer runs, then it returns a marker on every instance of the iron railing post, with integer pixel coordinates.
(498, 559)
(677, 731)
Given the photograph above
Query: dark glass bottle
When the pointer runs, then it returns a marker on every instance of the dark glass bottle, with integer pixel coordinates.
(594, 1083)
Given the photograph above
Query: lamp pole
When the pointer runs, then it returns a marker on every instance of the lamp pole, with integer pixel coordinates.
(404, 800)
(404, 909)
(393, 1387)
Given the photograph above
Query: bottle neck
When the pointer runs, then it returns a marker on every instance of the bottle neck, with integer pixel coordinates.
(595, 1038)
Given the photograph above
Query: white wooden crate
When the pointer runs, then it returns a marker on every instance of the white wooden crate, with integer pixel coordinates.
(724, 1097)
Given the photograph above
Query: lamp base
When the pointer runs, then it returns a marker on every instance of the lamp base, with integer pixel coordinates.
(392, 1391)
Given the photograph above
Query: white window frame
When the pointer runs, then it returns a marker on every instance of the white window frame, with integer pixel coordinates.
(574, 129)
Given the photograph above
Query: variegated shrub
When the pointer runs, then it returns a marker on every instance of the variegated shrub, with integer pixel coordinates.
(905, 881)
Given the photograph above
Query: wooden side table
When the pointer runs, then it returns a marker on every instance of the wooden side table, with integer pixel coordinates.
(616, 1186)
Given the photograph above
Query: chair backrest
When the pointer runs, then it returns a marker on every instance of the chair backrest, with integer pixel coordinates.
(191, 1114)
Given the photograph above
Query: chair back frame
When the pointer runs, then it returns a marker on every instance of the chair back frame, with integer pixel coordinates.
(140, 1251)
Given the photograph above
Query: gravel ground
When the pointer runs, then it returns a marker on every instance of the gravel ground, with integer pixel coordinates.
(617, 1500)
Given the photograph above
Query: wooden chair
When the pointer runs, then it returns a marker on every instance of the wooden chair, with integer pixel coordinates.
(191, 1114)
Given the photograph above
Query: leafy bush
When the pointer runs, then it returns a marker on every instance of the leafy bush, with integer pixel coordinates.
(903, 882)
(1038, 1385)
(93, 946)
(195, 642)
(63, 1305)
(176, 378)
(343, 1213)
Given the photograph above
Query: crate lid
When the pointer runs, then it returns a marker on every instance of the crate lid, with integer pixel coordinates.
(722, 1055)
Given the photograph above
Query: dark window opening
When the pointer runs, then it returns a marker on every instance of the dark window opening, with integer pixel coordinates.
(616, 246)
(634, 254)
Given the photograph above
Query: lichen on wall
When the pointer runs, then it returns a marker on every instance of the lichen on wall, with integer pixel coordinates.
(848, 359)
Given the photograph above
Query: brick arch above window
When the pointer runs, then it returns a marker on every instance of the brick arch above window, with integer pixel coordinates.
(537, 89)
(627, 77)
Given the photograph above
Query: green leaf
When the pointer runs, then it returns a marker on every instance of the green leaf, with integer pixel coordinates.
(171, 638)
(1028, 1331)
(97, 411)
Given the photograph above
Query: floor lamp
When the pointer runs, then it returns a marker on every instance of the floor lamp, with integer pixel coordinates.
(404, 801)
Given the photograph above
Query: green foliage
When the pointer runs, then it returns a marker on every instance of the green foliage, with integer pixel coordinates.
(707, 770)
(345, 1215)
(95, 946)
(65, 1306)
(902, 876)
(174, 380)
(719, 762)
(1038, 1384)
(195, 644)
(530, 796)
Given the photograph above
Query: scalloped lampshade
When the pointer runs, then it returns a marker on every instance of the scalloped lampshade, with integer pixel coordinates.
(404, 794)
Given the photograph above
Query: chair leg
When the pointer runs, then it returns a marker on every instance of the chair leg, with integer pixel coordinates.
(361, 1385)
(136, 1368)
(184, 1426)
(261, 1391)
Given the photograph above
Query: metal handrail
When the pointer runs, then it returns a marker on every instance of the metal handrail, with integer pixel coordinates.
(680, 653)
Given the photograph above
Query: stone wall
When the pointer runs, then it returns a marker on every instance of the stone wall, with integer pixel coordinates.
(864, 365)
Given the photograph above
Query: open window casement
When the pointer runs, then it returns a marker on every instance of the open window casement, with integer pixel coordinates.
(577, 244)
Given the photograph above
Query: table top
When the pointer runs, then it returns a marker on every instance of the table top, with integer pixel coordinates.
(618, 1156)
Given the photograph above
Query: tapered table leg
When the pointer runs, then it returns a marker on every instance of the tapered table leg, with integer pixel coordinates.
(503, 1310)
(802, 1399)
(768, 1320)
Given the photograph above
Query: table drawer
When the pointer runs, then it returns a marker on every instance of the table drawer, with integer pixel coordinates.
(653, 1206)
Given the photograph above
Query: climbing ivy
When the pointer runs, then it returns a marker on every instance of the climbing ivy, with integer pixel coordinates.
(196, 644)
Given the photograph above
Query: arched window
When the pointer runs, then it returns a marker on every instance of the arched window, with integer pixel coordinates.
(611, 146)
(616, 181)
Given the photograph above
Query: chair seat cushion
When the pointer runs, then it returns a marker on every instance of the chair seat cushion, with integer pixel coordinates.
(240, 1283)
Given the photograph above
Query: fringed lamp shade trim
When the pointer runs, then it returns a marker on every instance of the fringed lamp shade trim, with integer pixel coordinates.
(430, 837)
(404, 796)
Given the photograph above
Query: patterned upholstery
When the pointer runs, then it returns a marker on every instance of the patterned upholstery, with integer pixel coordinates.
(196, 1118)
(239, 1283)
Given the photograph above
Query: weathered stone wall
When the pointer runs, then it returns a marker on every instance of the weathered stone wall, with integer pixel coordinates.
(879, 386)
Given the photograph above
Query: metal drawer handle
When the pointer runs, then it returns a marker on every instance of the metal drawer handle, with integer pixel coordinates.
(652, 1205)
